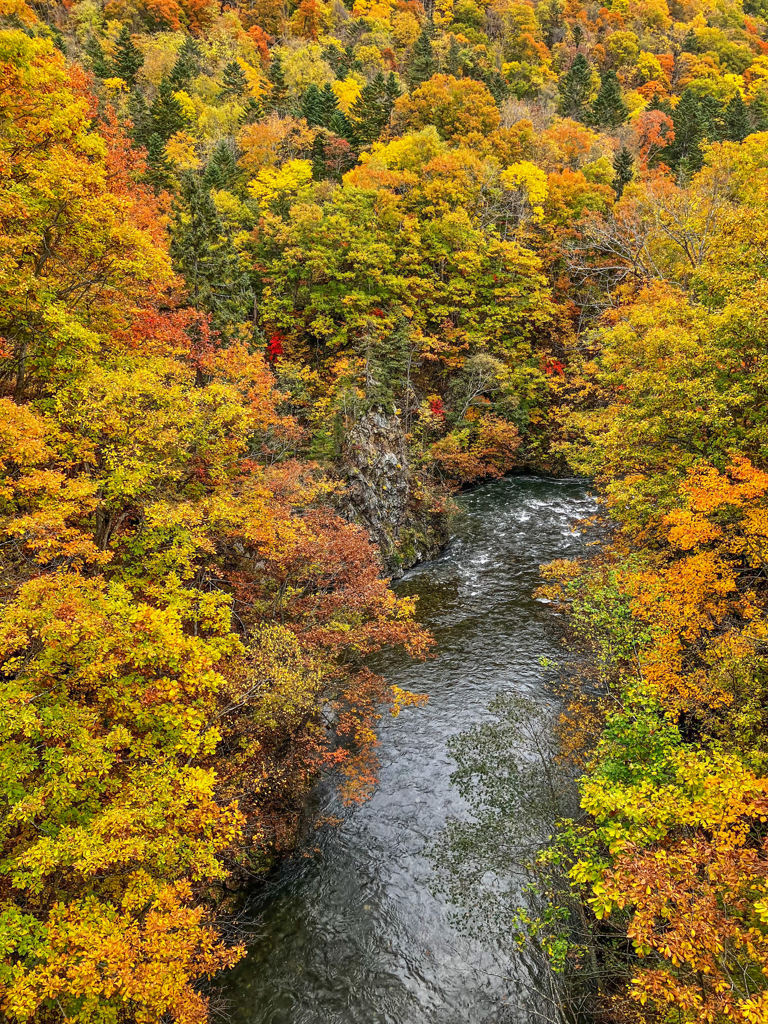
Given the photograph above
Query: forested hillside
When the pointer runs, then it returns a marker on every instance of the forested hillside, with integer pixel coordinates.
(535, 235)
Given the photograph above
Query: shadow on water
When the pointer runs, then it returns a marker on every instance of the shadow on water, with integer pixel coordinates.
(362, 928)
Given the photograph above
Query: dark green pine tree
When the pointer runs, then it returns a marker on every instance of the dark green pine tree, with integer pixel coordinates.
(158, 172)
(319, 169)
(736, 121)
(167, 114)
(624, 170)
(279, 89)
(392, 91)
(711, 115)
(422, 64)
(695, 120)
(96, 56)
(233, 80)
(140, 117)
(338, 59)
(204, 255)
(497, 85)
(128, 58)
(609, 109)
(371, 110)
(660, 104)
(312, 107)
(253, 111)
(221, 170)
(758, 112)
(340, 125)
(575, 87)
(367, 112)
(187, 66)
(453, 58)
(330, 105)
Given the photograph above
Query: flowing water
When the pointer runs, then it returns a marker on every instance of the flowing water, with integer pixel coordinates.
(353, 931)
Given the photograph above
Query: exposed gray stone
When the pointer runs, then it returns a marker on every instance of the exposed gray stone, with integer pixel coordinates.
(379, 492)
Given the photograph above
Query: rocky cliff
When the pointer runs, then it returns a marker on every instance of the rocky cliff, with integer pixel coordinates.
(381, 493)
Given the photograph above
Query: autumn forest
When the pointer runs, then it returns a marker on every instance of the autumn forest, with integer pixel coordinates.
(247, 247)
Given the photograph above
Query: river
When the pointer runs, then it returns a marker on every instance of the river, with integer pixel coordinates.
(356, 929)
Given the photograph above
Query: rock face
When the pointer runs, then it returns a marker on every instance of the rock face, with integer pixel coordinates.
(379, 492)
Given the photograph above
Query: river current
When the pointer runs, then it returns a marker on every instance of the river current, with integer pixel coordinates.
(356, 929)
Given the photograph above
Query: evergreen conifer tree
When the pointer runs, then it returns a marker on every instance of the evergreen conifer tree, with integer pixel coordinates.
(660, 104)
(711, 116)
(371, 111)
(368, 111)
(158, 166)
(318, 156)
(204, 255)
(694, 121)
(141, 119)
(96, 56)
(497, 85)
(758, 112)
(167, 114)
(187, 64)
(624, 170)
(312, 107)
(234, 82)
(452, 61)
(392, 91)
(609, 109)
(338, 59)
(340, 125)
(279, 89)
(736, 121)
(221, 171)
(422, 64)
(128, 58)
(329, 105)
(575, 87)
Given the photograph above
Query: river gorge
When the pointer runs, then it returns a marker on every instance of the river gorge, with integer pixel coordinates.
(358, 928)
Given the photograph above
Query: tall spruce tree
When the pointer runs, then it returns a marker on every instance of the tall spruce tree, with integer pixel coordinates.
(140, 117)
(188, 63)
(167, 114)
(695, 120)
(609, 109)
(624, 170)
(758, 112)
(128, 58)
(233, 80)
(497, 85)
(736, 121)
(338, 59)
(392, 91)
(311, 106)
(206, 258)
(453, 59)
(278, 95)
(221, 170)
(575, 87)
(96, 56)
(329, 105)
(422, 64)
(372, 109)
(158, 172)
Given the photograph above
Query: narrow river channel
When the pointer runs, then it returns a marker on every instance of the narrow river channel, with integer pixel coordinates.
(357, 933)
